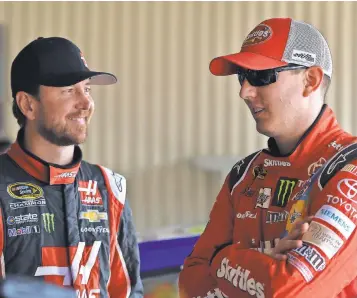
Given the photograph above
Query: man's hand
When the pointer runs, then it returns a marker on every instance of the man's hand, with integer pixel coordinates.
(291, 241)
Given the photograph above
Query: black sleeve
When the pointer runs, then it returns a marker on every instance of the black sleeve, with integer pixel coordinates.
(130, 249)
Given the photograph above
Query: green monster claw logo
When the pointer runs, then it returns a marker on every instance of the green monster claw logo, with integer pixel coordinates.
(283, 191)
(48, 222)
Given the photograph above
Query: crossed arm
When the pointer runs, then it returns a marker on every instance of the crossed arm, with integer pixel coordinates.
(294, 268)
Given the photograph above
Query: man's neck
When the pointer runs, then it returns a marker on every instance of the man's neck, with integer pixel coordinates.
(286, 143)
(40, 147)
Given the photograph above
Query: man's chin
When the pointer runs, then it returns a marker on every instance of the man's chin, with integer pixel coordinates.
(78, 140)
(68, 140)
(264, 130)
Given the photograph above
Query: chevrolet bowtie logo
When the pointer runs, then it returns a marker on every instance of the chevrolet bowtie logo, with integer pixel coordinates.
(93, 215)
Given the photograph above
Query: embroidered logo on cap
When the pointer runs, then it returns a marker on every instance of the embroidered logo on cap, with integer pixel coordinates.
(260, 34)
(84, 60)
(304, 56)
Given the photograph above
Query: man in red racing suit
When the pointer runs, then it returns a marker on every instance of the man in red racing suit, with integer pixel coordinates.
(267, 192)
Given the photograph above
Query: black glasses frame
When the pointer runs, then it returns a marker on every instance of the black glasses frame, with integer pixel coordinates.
(259, 78)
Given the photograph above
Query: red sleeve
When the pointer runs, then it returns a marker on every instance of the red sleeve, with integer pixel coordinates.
(323, 267)
(195, 279)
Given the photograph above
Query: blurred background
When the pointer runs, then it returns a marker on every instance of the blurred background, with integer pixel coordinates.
(173, 129)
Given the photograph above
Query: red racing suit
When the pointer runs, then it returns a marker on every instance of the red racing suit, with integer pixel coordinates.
(71, 225)
(262, 197)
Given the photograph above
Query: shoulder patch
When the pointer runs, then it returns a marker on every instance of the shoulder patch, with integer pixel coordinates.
(336, 163)
(240, 169)
(117, 184)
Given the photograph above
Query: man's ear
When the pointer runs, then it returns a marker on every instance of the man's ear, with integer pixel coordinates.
(26, 104)
(313, 79)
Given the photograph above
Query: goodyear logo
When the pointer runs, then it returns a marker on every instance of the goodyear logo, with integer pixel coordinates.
(283, 191)
(24, 191)
(93, 215)
(48, 220)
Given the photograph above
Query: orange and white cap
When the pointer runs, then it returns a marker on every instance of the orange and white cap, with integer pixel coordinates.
(275, 43)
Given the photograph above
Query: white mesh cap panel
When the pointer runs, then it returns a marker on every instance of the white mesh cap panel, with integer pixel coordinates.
(306, 46)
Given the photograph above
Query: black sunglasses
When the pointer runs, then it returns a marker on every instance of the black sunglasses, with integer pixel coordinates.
(259, 78)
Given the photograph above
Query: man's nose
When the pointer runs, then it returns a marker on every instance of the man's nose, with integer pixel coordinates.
(247, 90)
(84, 101)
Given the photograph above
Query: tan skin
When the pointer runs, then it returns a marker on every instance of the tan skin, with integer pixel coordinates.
(289, 107)
(57, 121)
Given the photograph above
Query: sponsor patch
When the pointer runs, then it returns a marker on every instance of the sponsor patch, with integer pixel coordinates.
(259, 172)
(246, 214)
(304, 187)
(338, 147)
(337, 163)
(283, 191)
(276, 163)
(14, 232)
(304, 56)
(274, 217)
(48, 220)
(95, 230)
(89, 193)
(301, 267)
(240, 278)
(239, 170)
(93, 215)
(29, 203)
(350, 168)
(337, 219)
(312, 256)
(296, 212)
(83, 59)
(22, 219)
(312, 169)
(348, 188)
(259, 34)
(324, 238)
(345, 204)
(65, 175)
(24, 191)
(264, 197)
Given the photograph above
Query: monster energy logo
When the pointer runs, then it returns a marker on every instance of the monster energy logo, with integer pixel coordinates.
(283, 191)
(48, 222)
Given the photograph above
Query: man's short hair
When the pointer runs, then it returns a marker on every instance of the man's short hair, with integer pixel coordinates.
(4, 145)
(326, 82)
(33, 90)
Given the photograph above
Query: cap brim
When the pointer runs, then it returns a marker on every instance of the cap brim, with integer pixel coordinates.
(63, 80)
(227, 65)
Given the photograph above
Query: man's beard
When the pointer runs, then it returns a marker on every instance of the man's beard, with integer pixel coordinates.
(59, 136)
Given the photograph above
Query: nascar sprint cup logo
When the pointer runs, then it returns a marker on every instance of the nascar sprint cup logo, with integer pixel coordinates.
(24, 191)
(260, 34)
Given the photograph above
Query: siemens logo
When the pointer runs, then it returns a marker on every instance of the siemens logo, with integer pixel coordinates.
(337, 219)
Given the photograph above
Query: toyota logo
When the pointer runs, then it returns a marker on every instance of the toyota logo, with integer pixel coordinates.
(348, 187)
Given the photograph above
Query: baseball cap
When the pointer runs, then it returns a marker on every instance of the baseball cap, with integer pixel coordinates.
(53, 61)
(275, 43)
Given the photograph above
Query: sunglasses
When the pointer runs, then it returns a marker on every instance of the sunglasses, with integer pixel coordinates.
(259, 78)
